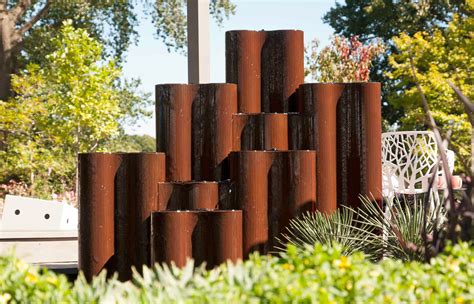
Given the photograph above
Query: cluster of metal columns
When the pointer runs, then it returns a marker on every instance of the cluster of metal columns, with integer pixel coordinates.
(235, 162)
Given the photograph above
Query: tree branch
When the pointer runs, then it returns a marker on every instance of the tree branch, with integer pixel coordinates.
(27, 26)
(19, 10)
(3, 6)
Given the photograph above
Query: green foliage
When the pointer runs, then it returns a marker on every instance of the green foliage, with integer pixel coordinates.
(316, 274)
(71, 103)
(445, 54)
(131, 143)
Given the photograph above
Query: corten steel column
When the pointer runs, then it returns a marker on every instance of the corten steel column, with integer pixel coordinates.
(173, 127)
(212, 131)
(262, 131)
(96, 211)
(320, 100)
(172, 236)
(282, 69)
(188, 195)
(358, 143)
(243, 52)
(249, 170)
(300, 131)
(135, 199)
(223, 236)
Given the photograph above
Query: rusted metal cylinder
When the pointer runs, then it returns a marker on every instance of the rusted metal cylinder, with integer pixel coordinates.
(188, 195)
(262, 131)
(243, 67)
(135, 199)
(249, 170)
(300, 131)
(172, 236)
(212, 131)
(359, 132)
(97, 172)
(222, 237)
(320, 100)
(174, 104)
(282, 69)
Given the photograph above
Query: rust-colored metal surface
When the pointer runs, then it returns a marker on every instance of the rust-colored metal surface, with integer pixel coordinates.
(300, 131)
(243, 67)
(96, 211)
(174, 104)
(358, 143)
(212, 131)
(222, 237)
(262, 131)
(320, 100)
(188, 195)
(172, 236)
(249, 170)
(282, 69)
(135, 199)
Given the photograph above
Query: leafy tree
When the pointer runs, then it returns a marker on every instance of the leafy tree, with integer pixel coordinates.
(445, 54)
(26, 26)
(69, 104)
(131, 143)
(384, 19)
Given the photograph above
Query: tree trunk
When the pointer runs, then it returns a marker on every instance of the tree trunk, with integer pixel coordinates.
(7, 43)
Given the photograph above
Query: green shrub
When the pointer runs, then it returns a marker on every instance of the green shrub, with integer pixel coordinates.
(318, 274)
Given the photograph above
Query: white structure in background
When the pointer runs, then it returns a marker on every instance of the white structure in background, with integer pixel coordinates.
(198, 41)
(41, 232)
(408, 159)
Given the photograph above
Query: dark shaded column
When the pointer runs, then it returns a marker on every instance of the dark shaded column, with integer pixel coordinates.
(359, 128)
(135, 199)
(96, 210)
(243, 67)
(212, 131)
(172, 236)
(282, 69)
(249, 171)
(223, 236)
(173, 127)
(300, 131)
(320, 100)
(302, 183)
(188, 195)
(263, 131)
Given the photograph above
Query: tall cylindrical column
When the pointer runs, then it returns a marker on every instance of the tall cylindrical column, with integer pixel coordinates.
(97, 172)
(212, 131)
(188, 195)
(320, 100)
(135, 199)
(282, 69)
(243, 67)
(359, 143)
(300, 131)
(262, 131)
(172, 236)
(173, 127)
(249, 171)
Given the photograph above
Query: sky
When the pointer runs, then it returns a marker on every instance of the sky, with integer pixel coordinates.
(150, 61)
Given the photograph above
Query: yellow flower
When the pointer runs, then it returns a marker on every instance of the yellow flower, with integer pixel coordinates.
(31, 278)
(52, 280)
(4, 298)
(343, 263)
(459, 300)
(288, 266)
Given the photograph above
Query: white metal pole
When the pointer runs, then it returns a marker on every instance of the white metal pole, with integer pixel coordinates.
(198, 41)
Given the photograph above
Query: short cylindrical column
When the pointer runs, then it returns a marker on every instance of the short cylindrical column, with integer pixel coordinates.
(188, 195)
(172, 235)
(282, 69)
(302, 183)
(212, 131)
(135, 190)
(263, 131)
(243, 67)
(173, 127)
(96, 211)
(320, 100)
(223, 236)
(359, 132)
(249, 171)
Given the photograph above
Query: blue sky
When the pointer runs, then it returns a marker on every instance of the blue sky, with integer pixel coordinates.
(151, 62)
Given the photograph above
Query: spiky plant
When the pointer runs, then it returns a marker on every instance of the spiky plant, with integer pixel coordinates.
(325, 229)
